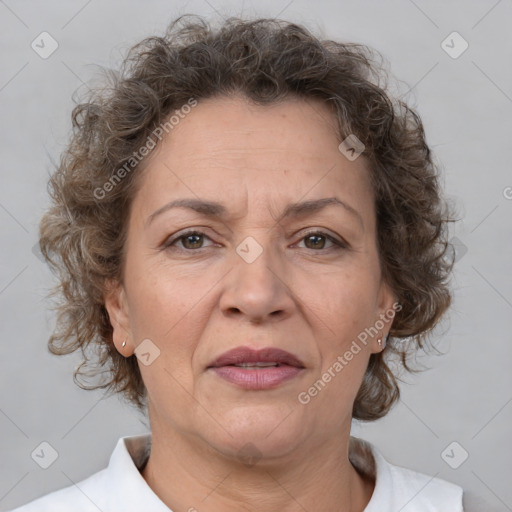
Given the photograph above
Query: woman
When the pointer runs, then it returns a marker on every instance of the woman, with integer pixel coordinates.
(247, 229)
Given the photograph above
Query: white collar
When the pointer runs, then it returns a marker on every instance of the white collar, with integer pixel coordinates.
(121, 488)
(396, 488)
(123, 473)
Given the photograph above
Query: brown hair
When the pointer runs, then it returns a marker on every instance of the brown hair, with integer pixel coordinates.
(267, 60)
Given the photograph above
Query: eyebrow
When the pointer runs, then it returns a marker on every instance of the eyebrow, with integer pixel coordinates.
(215, 209)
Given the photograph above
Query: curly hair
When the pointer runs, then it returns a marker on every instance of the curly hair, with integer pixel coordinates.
(82, 234)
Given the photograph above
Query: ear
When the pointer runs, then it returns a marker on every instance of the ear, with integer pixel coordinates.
(388, 306)
(119, 315)
(386, 297)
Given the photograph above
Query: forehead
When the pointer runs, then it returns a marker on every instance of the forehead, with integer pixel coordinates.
(230, 150)
(238, 129)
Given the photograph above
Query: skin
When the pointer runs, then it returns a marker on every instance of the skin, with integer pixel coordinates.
(198, 298)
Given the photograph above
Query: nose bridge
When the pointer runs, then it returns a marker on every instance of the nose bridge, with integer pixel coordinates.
(256, 286)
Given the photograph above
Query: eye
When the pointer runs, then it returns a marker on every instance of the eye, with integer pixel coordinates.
(189, 240)
(317, 241)
(193, 240)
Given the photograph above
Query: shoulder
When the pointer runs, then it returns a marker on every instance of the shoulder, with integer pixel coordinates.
(84, 496)
(422, 492)
(120, 486)
(399, 488)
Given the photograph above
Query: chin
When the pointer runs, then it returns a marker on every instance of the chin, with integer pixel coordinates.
(258, 431)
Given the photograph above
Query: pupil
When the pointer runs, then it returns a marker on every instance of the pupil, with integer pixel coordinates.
(193, 236)
(317, 237)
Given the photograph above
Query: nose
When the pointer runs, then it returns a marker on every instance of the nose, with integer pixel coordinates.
(259, 290)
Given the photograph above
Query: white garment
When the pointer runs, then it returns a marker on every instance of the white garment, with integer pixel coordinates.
(121, 488)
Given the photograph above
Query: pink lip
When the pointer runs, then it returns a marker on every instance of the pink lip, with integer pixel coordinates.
(257, 378)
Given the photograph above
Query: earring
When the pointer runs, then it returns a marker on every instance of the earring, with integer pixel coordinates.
(124, 343)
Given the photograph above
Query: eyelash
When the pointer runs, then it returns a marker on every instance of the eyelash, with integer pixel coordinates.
(338, 245)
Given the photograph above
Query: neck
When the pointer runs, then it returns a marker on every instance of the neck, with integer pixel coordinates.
(190, 477)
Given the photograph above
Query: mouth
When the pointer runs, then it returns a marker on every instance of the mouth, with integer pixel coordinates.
(257, 369)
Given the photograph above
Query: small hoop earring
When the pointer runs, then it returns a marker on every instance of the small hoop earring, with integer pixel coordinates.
(124, 343)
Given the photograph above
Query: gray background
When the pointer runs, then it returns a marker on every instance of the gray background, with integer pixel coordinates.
(466, 105)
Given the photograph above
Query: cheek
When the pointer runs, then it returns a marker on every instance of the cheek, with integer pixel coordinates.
(349, 307)
(160, 297)
(169, 308)
(344, 301)
(166, 311)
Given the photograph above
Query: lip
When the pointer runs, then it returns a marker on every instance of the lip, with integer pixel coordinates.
(257, 378)
(241, 355)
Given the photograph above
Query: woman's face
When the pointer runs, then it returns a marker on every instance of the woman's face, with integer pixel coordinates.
(307, 283)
